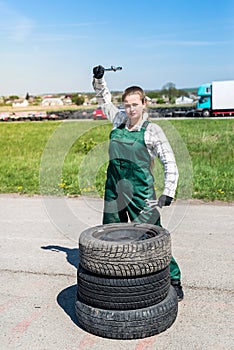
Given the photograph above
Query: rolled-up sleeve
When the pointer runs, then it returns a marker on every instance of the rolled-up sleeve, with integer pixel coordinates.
(103, 96)
(159, 146)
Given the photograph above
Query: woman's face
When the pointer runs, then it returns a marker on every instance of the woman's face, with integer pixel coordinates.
(134, 107)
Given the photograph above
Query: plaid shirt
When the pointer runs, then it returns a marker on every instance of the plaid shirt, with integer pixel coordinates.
(155, 139)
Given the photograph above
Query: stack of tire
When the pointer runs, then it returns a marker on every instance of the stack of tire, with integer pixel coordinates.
(123, 279)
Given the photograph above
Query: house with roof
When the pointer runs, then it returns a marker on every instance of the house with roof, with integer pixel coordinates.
(52, 101)
(20, 102)
(183, 100)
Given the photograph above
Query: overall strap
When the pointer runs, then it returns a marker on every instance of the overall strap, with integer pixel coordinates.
(121, 126)
(145, 124)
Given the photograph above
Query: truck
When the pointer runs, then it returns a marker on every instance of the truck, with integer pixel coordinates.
(216, 99)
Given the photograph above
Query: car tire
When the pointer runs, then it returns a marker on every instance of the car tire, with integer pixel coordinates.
(125, 249)
(122, 293)
(128, 324)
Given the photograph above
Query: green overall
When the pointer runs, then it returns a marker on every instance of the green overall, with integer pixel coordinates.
(130, 182)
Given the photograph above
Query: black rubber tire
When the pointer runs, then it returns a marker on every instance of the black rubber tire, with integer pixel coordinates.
(128, 324)
(206, 113)
(125, 249)
(118, 293)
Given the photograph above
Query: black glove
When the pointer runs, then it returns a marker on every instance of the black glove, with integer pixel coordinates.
(164, 201)
(98, 72)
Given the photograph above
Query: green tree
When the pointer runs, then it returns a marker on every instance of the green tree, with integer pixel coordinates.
(153, 94)
(182, 93)
(170, 91)
(78, 99)
(160, 101)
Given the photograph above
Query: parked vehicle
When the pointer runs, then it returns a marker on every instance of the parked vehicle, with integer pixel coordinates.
(216, 99)
(4, 116)
(98, 114)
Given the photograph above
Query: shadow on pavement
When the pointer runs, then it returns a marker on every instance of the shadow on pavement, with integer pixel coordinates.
(67, 297)
(72, 254)
(66, 300)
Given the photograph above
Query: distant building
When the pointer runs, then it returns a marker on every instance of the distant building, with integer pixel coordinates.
(183, 100)
(148, 100)
(67, 100)
(93, 100)
(21, 102)
(52, 101)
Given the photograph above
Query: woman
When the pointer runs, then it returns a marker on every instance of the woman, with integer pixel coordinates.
(134, 143)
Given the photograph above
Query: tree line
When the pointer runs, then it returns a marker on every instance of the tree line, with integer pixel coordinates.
(168, 93)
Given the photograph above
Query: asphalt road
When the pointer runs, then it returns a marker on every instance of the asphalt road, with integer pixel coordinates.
(39, 257)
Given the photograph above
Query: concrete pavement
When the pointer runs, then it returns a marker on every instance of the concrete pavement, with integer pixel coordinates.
(39, 256)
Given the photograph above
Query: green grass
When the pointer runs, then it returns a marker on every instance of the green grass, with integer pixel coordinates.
(71, 157)
(21, 147)
(210, 144)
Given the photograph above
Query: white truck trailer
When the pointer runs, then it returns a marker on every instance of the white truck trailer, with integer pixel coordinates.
(216, 99)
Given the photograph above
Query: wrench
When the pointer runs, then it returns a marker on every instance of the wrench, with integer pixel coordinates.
(113, 68)
(150, 205)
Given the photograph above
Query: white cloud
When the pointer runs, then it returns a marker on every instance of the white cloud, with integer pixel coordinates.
(186, 43)
(14, 25)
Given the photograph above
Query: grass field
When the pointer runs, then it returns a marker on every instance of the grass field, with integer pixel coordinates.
(71, 158)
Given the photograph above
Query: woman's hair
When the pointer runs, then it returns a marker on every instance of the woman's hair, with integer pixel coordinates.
(132, 90)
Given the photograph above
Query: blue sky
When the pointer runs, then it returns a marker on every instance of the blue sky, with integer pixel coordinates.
(52, 46)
